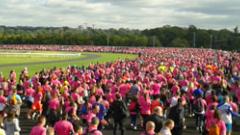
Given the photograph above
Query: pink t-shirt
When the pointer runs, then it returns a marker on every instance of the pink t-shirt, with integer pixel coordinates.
(145, 106)
(238, 94)
(54, 104)
(63, 127)
(37, 97)
(175, 89)
(38, 130)
(30, 92)
(209, 118)
(75, 96)
(209, 99)
(183, 83)
(148, 133)
(234, 106)
(99, 92)
(26, 84)
(94, 131)
(89, 117)
(123, 89)
(3, 100)
(156, 88)
(214, 104)
(56, 82)
(47, 88)
(221, 124)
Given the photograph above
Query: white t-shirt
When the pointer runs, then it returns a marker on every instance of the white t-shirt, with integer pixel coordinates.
(165, 131)
(174, 101)
(225, 111)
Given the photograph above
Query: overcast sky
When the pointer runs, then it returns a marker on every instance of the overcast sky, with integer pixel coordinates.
(140, 14)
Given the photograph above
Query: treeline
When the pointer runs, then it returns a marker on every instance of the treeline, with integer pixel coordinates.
(166, 36)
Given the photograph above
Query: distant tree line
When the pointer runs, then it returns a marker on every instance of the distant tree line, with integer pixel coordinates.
(166, 36)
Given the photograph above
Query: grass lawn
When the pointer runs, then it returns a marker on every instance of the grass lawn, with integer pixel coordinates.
(25, 60)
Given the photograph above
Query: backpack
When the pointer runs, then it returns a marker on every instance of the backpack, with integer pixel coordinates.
(199, 106)
(214, 130)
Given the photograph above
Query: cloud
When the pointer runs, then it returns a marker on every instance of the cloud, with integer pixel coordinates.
(141, 14)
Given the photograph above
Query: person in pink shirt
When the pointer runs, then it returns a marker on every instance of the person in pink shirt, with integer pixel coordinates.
(237, 91)
(39, 129)
(93, 127)
(53, 106)
(3, 102)
(46, 87)
(29, 99)
(92, 114)
(175, 89)
(220, 123)
(133, 109)
(155, 88)
(37, 104)
(26, 83)
(183, 83)
(13, 76)
(54, 103)
(145, 106)
(210, 116)
(233, 105)
(75, 96)
(124, 89)
(214, 102)
(63, 127)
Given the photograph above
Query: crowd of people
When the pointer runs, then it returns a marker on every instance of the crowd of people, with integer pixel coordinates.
(157, 92)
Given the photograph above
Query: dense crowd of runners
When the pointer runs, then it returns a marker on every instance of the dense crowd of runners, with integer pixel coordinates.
(156, 92)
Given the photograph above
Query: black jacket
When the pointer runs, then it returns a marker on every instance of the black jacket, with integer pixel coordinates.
(158, 121)
(118, 110)
(176, 113)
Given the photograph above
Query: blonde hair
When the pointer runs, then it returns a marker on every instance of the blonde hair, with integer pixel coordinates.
(150, 125)
(50, 131)
(168, 123)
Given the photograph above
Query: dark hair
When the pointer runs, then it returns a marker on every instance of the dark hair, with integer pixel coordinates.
(180, 101)
(155, 97)
(64, 116)
(77, 125)
(118, 96)
(41, 119)
(95, 121)
(134, 98)
(178, 93)
(215, 98)
(98, 97)
(217, 114)
(10, 115)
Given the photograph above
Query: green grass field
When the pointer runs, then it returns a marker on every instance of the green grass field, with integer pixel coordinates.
(36, 63)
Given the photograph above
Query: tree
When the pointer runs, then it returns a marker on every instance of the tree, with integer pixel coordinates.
(178, 42)
(167, 36)
(236, 30)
